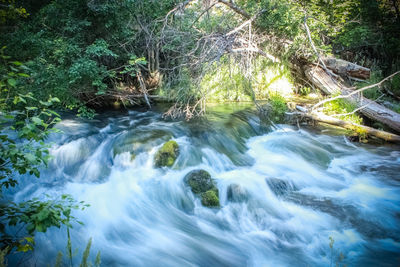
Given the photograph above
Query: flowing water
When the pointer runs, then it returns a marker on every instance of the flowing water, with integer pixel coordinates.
(283, 193)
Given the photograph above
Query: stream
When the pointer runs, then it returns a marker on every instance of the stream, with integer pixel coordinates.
(284, 192)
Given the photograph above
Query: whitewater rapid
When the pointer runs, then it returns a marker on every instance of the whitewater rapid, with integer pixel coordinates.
(295, 188)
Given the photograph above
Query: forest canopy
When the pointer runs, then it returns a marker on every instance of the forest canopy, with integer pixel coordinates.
(92, 53)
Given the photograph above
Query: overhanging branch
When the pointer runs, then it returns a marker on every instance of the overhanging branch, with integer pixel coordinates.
(235, 8)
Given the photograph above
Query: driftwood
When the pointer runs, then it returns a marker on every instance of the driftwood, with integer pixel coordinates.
(347, 69)
(330, 85)
(320, 117)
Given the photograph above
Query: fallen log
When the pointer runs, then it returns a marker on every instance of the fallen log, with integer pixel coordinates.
(325, 82)
(347, 69)
(332, 86)
(320, 117)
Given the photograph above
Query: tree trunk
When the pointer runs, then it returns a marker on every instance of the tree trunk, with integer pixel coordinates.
(326, 83)
(330, 85)
(317, 116)
(347, 69)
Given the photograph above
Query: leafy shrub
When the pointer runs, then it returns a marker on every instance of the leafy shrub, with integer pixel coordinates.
(278, 108)
(25, 123)
(304, 91)
(342, 106)
(395, 86)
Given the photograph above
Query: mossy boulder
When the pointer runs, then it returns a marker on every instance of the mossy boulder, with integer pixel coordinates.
(167, 154)
(210, 198)
(201, 183)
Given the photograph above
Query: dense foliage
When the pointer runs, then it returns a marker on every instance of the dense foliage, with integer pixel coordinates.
(86, 51)
(76, 49)
(25, 123)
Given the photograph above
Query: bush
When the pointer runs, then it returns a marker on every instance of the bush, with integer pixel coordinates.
(278, 108)
(342, 106)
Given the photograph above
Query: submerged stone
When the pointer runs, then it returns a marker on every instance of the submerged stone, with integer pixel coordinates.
(210, 198)
(236, 193)
(167, 154)
(280, 187)
(200, 182)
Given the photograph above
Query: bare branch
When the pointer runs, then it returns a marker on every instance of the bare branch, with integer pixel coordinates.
(312, 43)
(235, 8)
(256, 50)
(143, 87)
(202, 13)
(357, 109)
(247, 22)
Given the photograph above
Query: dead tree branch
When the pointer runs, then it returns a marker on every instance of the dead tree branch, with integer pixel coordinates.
(320, 117)
(143, 87)
(235, 8)
(312, 44)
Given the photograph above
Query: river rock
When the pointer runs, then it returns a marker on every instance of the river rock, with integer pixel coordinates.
(167, 154)
(210, 198)
(280, 187)
(236, 193)
(200, 182)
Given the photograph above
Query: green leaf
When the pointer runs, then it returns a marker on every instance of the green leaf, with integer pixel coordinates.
(12, 82)
(30, 157)
(24, 248)
(17, 63)
(54, 99)
(30, 228)
(54, 113)
(9, 116)
(13, 221)
(67, 212)
(29, 239)
(37, 120)
(40, 228)
(43, 214)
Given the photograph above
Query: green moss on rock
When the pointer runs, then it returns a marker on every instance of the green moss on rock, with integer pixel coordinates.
(167, 154)
(210, 198)
(201, 183)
